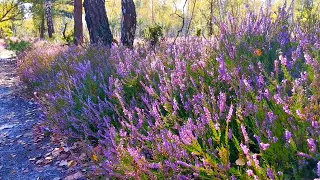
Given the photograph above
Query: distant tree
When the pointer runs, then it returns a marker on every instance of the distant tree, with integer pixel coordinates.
(9, 10)
(49, 18)
(42, 27)
(210, 23)
(78, 26)
(97, 22)
(128, 22)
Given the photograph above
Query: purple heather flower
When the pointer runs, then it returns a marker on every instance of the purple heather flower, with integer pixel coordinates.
(244, 148)
(257, 138)
(217, 126)
(315, 124)
(267, 94)
(210, 142)
(304, 155)
(245, 134)
(260, 66)
(207, 114)
(299, 113)
(304, 76)
(312, 145)
(230, 113)
(308, 59)
(222, 102)
(250, 172)
(278, 99)
(223, 72)
(184, 164)
(286, 109)
(318, 168)
(256, 160)
(264, 146)
(287, 136)
(247, 84)
(283, 60)
(272, 117)
(260, 80)
(270, 174)
(175, 105)
(186, 135)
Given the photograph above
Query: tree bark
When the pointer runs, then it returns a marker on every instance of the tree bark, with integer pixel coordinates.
(211, 19)
(128, 22)
(97, 22)
(78, 26)
(152, 11)
(42, 28)
(49, 18)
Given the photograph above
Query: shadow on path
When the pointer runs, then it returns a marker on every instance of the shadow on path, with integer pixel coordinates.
(17, 118)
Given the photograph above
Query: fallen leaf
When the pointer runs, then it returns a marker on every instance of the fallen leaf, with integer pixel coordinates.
(13, 155)
(32, 159)
(240, 161)
(18, 136)
(95, 158)
(71, 163)
(48, 158)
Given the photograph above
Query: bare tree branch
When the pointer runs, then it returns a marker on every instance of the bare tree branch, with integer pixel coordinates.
(192, 13)
(180, 16)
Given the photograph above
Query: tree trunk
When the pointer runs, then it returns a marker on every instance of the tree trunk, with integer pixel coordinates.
(49, 18)
(211, 19)
(97, 22)
(78, 26)
(152, 11)
(42, 28)
(128, 22)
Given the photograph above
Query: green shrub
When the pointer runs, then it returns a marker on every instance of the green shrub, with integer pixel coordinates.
(18, 46)
(153, 34)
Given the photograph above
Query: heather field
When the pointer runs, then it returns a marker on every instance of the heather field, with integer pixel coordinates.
(241, 104)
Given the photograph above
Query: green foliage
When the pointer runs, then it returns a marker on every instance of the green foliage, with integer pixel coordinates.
(198, 32)
(153, 34)
(18, 46)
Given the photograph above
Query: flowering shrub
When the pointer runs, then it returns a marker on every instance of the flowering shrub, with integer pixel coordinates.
(243, 105)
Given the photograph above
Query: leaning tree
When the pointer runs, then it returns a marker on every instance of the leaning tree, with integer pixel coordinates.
(97, 22)
(128, 22)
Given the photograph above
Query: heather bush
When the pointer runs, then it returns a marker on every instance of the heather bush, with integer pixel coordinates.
(242, 105)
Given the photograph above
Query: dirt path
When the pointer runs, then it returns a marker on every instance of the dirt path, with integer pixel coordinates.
(17, 118)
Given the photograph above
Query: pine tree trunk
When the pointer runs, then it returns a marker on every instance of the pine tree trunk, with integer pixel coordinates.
(49, 18)
(78, 26)
(128, 22)
(211, 19)
(42, 28)
(152, 11)
(97, 22)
